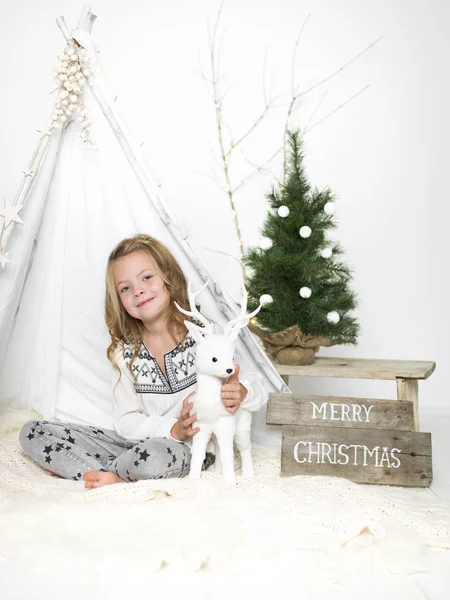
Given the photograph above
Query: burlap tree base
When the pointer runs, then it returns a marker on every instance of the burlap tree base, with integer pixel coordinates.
(291, 346)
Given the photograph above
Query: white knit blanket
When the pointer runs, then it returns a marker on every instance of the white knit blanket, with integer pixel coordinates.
(284, 525)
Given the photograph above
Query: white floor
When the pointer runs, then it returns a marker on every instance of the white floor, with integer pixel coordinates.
(23, 583)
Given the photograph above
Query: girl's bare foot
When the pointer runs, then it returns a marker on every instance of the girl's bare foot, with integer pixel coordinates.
(96, 479)
(52, 474)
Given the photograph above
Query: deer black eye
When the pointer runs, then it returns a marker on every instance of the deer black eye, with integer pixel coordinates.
(214, 359)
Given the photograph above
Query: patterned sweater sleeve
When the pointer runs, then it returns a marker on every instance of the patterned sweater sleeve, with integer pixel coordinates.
(130, 419)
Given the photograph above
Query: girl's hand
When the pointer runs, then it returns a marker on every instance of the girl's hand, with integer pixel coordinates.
(233, 392)
(182, 430)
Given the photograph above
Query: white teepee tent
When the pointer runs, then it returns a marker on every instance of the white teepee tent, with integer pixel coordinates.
(77, 204)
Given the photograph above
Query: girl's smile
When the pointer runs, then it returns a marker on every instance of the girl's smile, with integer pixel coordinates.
(144, 302)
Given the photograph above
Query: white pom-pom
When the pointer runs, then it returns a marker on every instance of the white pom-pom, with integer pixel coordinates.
(283, 211)
(74, 69)
(329, 208)
(61, 57)
(55, 117)
(333, 317)
(326, 253)
(63, 118)
(63, 94)
(73, 107)
(79, 76)
(305, 292)
(73, 57)
(305, 231)
(265, 243)
(86, 72)
(68, 85)
(77, 89)
(73, 98)
(57, 67)
(62, 77)
(265, 299)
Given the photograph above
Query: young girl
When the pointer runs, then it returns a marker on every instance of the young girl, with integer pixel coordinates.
(154, 380)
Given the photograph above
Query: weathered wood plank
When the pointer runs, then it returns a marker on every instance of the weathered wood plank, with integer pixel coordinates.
(361, 455)
(361, 368)
(408, 391)
(330, 411)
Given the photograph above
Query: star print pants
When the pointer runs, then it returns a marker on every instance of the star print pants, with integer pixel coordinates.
(69, 450)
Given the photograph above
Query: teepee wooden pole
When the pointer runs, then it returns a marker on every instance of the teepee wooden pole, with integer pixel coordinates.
(165, 213)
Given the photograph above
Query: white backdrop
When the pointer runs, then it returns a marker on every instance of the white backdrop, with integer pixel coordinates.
(383, 155)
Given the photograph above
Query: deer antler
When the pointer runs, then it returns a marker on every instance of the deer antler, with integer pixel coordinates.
(232, 328)
(194, 313)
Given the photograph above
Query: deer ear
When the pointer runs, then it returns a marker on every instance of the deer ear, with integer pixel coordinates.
(195, 331)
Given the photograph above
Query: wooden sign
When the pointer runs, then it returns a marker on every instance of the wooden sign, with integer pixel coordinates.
(327, 411)
(364, 456)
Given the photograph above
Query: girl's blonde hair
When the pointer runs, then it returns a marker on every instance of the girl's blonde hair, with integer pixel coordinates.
(125, 329)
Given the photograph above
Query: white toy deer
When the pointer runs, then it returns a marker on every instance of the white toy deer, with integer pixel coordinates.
(215, 363)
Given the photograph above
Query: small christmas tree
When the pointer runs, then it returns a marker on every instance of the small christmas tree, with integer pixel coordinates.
(298, 276)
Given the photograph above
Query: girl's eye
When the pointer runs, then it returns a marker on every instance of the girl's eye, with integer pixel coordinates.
(147, 277)
(214, 359)
(125, 289)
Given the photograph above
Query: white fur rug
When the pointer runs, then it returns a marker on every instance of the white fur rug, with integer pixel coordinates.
(328, 526)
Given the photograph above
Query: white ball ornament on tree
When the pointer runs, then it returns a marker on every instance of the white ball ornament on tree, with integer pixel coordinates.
(266, 243)
(265, 299)
(305, 231)
(305, 292)
(283, 211)
(333, 317)
(326, 253)
(329, 208)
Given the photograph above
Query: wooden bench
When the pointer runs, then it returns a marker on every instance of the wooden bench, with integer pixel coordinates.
(364, 440)
(406, 373)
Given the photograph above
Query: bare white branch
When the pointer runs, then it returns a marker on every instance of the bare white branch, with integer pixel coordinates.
(308, 129)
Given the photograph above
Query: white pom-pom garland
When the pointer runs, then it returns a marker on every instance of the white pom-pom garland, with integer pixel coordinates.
(283, 211)
(305, 292)
(265, 299)
(69, 74)
(305, 231)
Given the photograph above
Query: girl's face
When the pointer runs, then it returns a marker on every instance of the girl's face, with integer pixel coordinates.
(140, 287)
